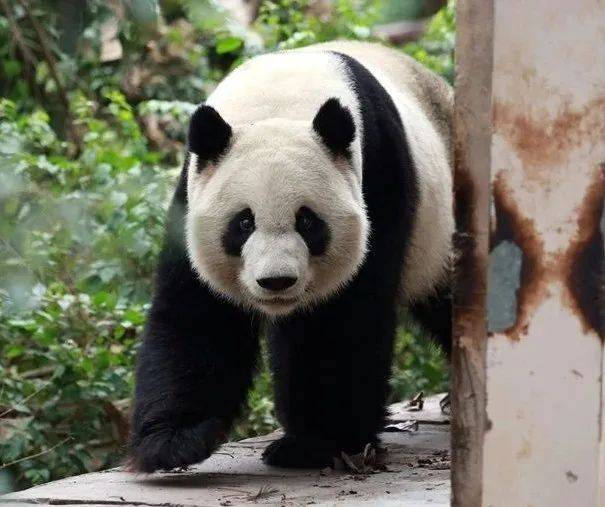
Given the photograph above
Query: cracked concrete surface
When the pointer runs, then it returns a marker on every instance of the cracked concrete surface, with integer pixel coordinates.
(416, 473)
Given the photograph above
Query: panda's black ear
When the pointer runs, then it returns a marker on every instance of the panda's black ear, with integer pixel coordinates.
(209, 134)
(334, 124)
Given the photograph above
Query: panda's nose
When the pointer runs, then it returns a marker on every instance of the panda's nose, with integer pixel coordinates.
(277, 283)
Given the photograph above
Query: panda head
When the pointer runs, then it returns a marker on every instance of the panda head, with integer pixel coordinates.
(275, 217)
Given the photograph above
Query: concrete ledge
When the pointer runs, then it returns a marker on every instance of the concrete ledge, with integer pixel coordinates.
(414, 471)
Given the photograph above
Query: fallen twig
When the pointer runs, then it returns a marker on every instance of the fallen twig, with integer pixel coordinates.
(416, 403)
(264, 492)
(403, 426)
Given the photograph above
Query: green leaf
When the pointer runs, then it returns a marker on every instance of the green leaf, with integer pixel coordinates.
(13, 351)
(37, 475)
(118, 198)
(134, 316)
(11, 68)
(228, 45)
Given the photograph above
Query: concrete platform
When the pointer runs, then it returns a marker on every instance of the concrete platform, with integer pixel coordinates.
(414, 471)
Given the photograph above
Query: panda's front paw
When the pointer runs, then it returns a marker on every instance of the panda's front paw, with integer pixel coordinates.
(299, 452)
(165, 447)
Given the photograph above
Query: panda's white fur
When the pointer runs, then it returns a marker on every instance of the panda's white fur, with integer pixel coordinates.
(276, 163)
(275, 166)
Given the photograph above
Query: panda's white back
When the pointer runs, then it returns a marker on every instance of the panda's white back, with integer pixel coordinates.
(425, 104)
(293, 85)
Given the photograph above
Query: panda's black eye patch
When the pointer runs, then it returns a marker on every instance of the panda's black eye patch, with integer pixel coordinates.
(239, 229)
(313, 230)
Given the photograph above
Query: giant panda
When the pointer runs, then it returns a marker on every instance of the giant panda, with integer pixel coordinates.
(315, 198)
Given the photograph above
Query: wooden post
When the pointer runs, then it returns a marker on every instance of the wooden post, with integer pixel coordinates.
(528, 352)
(472, 133)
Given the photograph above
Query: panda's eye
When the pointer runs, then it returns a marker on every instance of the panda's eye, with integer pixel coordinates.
(305, 223)
(246, 224)
(306, 220)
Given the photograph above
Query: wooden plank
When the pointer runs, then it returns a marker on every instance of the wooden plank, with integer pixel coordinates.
(602, 446)
(417, 474)
(472, 135)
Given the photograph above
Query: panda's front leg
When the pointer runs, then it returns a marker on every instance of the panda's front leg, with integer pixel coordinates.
(194, 369)
(195, 366)
(331, 370)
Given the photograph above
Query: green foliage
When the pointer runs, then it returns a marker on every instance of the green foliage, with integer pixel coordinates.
(89, 151)
(259, 419)
(435, 49)
(79, 235)
(288, 24)
(419, 364)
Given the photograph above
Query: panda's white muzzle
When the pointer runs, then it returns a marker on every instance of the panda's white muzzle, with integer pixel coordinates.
(275, 268)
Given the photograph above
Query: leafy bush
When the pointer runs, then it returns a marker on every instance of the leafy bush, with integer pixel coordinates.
(287, 24)
(436, 48)
(79, 235)
(419, 364)
(83, 191)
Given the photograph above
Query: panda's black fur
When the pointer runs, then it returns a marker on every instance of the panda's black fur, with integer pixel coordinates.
(331, 365)
(209, 134)
(335, 126)
(195, 364)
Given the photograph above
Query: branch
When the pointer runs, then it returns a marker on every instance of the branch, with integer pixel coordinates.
(43, 371)
(119, 421)
(48, 56)
(52, 65)
(27, 398)
(38, 454)
(17, 35)
(399, 32)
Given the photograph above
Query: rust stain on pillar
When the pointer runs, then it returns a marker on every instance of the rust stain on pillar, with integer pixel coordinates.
(540, 142)
(584, 260)
(512, 225)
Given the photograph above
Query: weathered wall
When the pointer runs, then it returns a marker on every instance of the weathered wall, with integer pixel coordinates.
(544, 363)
